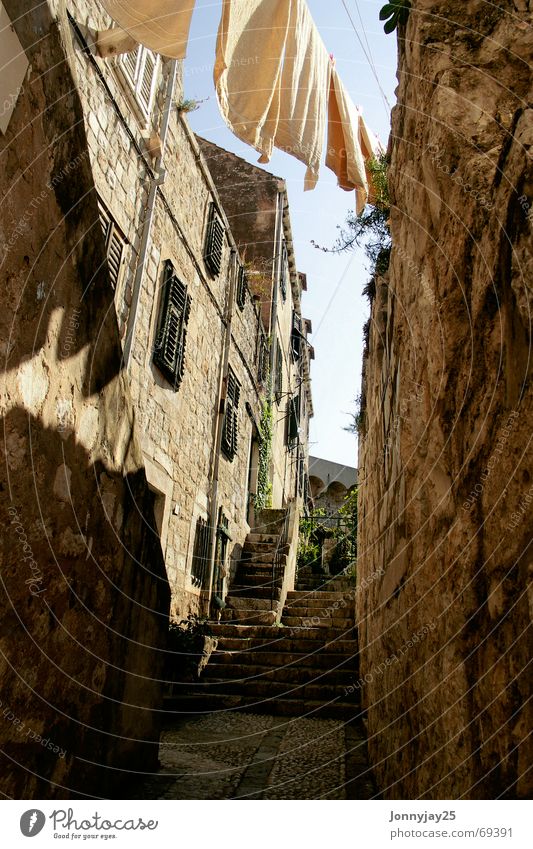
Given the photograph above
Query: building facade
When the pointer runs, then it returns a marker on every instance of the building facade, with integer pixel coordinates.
(166, 352)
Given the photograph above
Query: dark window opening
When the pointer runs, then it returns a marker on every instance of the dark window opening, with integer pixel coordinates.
(115, 245)
(297, 337)
(278, 374)
(169, 349)
(200, 558)
(263, 361)
(242, 288)
(293, 420)
(214, 242)
(230, 426)
(284, 272)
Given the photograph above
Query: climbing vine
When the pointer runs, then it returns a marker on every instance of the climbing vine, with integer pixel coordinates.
(263, 498)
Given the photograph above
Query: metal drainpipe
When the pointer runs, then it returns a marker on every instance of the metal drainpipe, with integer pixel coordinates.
(278, 259)
(275, 284)
(220, 419)
(157, 181)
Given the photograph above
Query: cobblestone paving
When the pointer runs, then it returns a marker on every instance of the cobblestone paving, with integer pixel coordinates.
(252, 756)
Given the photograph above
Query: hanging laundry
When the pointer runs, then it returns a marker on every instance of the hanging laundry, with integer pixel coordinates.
(272, 78)
(350, 143)
(161, 25)
(249, 57)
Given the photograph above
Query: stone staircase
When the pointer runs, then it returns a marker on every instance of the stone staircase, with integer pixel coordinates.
(255, 593)
(305, 667)
(309, 581)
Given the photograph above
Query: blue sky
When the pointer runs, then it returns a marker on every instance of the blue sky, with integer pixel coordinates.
(333, 301)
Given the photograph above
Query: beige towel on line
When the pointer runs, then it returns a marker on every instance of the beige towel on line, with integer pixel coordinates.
(272, 79)
(350, 143)
(161, 25)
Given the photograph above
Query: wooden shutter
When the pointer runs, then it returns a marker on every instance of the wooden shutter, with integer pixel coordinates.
(296, 336)
(128, 63)
(262, 369)
(278, 377)
(231, 421)
(214, 242)
(242, 288)
(140, 68)
(284, 270)
(169, 352)
(115, 245)
(146, 80)
(293, 419)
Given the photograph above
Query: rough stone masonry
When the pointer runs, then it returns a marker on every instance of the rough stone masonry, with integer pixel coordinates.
(445, 455)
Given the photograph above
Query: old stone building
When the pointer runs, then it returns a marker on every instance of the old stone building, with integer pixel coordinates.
(445, 453)
(156, 389)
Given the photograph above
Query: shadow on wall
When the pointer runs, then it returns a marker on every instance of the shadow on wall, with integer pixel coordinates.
(85, 596)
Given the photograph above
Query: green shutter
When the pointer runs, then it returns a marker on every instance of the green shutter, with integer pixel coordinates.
(169, 352)
(231, 419)
(214, 242)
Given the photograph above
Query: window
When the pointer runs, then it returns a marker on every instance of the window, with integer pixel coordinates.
(230, 426)
(140, 69)
(221, 555)
(263, 360)
(115, 245)
(214, 242)
(296, 336)
(293, 420)
(201, 552)
(169, 350)
(278, 373)
(284, 271)
(242, 288)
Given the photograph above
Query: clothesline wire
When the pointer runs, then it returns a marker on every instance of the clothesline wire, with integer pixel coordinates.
(368, 55)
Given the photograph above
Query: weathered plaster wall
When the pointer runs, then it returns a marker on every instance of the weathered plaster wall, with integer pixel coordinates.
(445, 470)
(84, 592)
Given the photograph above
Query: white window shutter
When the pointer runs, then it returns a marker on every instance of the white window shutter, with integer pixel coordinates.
(146, 81)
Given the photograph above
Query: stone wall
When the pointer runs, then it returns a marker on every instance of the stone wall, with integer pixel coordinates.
(84, 591)
(445, 454)
(177, 429)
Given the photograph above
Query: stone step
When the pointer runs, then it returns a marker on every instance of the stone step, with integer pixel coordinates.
(255, 568)
(271, 539)
(316, 594)
(338, 675)
(281, 660)
(261, 547)
(268, 689)
(339, 603)
(322, 612)
(243, 630)
(268, 592)
(286, 644)
(255, 581)
(183, 705)
(249, 617)
(318, 622)
(239, 603)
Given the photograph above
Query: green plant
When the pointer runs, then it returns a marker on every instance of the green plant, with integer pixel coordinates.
(395, 13)
(358, 416)
(370, 229)
(186, 646)
(263, 497)
(188, 105)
